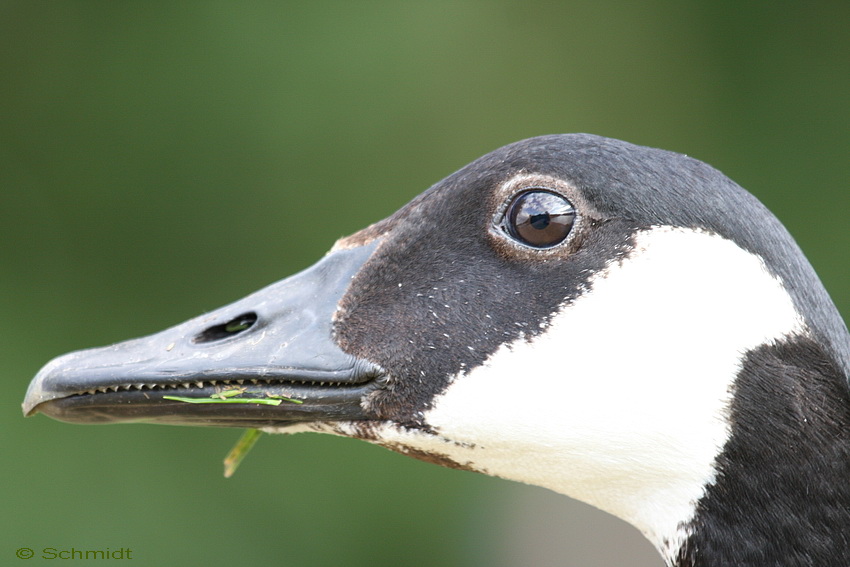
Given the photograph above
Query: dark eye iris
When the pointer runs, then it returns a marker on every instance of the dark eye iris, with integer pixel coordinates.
(540, 218)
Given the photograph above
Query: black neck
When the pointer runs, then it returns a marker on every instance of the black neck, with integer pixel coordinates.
(782, 492)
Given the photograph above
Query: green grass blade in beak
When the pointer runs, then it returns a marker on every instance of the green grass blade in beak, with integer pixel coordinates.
(238, 452)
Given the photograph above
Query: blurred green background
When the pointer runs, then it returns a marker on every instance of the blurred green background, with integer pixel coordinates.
(160, 159)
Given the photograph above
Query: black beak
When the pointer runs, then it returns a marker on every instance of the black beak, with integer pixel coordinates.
(276, 343)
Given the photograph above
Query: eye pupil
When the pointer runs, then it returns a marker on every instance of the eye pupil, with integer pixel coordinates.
(539, 221)
(539, 218)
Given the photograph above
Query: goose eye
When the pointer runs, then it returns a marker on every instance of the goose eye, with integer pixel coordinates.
(539, 218)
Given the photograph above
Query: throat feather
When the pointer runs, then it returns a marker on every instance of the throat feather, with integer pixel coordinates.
(623, 401)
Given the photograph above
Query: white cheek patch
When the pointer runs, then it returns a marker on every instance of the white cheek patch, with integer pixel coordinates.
(622, 402)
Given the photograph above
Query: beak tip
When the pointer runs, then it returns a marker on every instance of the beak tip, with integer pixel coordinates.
(37, 393)
(33, 399)
(30, 404)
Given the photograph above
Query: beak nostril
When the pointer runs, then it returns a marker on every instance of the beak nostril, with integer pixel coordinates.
(226, 330)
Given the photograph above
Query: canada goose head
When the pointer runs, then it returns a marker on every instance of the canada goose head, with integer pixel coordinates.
(620, 324)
